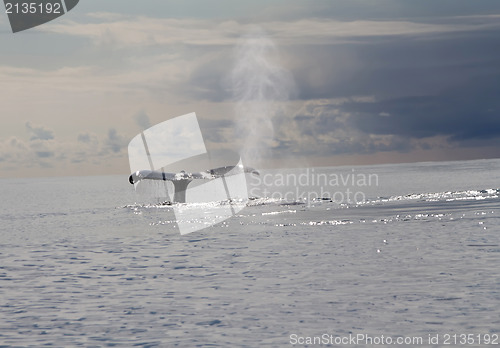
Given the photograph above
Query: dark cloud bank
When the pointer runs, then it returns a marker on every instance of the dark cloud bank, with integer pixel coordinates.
(445, 85)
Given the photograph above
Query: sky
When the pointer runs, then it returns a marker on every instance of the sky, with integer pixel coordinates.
(343, 82)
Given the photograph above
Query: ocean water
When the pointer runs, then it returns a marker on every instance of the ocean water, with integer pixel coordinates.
(84, 263)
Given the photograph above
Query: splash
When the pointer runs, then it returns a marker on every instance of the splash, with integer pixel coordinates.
(260, 87)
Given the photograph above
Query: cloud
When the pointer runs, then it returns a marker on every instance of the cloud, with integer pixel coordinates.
(384, 66)
(87, 138)
(217, 131)
(12, 151)
(366, 82)
(142, 120)
(465, 115)
(114, 141)
(18, 154)
(108, 16)
(86, 150)
(348, 10)
(39, 132)
(395, 68)
(465, 112)
(323, 128)
(44, 154)
(140, 31)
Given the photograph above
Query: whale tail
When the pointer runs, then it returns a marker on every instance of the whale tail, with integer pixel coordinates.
(182, 179)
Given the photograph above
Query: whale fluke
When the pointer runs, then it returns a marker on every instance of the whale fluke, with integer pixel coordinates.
(182, 179)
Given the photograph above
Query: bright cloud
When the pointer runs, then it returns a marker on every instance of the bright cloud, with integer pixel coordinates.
(143, 31)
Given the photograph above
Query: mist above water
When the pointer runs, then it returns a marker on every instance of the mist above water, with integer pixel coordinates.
(260, 87)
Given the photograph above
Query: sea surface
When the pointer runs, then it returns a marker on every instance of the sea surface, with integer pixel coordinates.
(84, 262)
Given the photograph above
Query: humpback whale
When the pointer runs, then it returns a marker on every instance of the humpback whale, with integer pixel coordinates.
(182, 179)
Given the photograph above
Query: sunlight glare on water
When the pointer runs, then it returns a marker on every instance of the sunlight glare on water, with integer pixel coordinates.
(83, 264)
